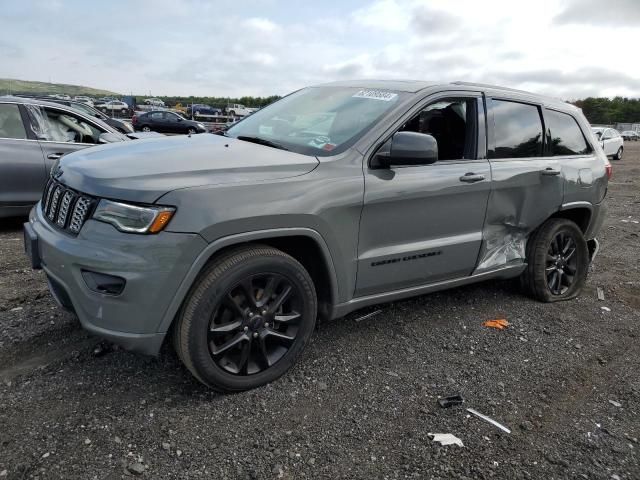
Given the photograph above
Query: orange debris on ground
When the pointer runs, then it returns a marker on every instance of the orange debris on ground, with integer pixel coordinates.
(500, 324)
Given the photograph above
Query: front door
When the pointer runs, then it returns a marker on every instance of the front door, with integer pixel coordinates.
(422, 224)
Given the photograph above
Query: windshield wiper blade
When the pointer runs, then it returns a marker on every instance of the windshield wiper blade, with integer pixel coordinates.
(261, 141)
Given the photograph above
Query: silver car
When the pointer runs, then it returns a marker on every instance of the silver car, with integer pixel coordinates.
(34, 134)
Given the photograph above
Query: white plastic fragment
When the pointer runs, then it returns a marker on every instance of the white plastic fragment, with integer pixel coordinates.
(488, 419)
(600, 293)
(446, 439)
(368, 315)
(615, 404)
(606, 309)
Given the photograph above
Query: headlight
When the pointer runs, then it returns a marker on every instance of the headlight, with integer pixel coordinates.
(133, 218)
(201, 126)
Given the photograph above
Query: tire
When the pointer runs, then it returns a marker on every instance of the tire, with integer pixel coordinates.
(232, 113)
(123, 111)
(543, 264)
(202, 342)
(145, 128)
(191, 131)
(618, 155)
(104, 110)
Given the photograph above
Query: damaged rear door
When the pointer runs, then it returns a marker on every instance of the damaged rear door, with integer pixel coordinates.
(527, 186)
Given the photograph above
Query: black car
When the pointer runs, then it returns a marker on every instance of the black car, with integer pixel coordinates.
(122, 127)
(166, 122)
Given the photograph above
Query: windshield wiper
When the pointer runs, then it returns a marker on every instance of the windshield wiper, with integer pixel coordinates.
(261, 141)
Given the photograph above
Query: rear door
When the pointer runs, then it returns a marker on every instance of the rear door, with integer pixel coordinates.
(421, 224)
(527, 182)
(22, 168)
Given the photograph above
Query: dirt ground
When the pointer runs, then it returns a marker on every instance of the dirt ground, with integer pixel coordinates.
(363, 398)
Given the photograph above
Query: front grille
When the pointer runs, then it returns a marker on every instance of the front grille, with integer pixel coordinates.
(65, 208)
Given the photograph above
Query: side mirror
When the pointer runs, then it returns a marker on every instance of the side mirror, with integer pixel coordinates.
(109, 137)
(406, 149)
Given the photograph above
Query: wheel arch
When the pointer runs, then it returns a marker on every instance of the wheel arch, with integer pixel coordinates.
(579, 213)
(304, 244)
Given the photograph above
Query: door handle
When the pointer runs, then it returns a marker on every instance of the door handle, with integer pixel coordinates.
(471, 177)
(54, 156)
(551, 171)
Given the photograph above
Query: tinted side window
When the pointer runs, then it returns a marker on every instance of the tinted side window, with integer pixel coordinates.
(11, 125)
(517, 130)
(564, 134)
(156, 116)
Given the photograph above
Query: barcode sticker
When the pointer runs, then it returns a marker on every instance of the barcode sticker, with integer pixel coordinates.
(376, 95)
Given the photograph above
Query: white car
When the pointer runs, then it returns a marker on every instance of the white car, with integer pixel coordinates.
(238, 110)
(114, 106)
(611, 141)
(83, 99)
(156, 102)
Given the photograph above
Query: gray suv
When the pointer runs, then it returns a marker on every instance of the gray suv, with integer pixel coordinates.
(334, 198)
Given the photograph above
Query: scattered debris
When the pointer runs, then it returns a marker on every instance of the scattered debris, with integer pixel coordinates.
(615, 404)
(17, 309)
(488, 419)
(500, 324)
(446, 439)
(446, 402)
(136, 468)
(368, 315)
(606, 309)
(600, 294)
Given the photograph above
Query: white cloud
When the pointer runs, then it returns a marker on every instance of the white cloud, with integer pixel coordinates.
(263, 47)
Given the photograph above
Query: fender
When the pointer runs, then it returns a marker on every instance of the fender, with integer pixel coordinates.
(231, 240)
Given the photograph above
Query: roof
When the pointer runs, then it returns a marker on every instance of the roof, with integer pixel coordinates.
(32, 101)
(414, 86)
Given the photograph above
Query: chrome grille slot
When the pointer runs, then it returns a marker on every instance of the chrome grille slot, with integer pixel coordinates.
(63, 211)
(65, 208)
(55, 198)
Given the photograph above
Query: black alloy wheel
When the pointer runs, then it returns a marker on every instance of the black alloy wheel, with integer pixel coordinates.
(255, 324)
(561, 263)
(557, 261)
(247, 318)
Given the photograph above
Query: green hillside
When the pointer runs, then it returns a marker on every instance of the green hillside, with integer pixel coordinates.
(10, 85)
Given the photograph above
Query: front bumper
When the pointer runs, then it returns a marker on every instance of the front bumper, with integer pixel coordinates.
(153, 267)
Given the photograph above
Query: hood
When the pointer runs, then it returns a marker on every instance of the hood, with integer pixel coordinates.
(144, 170)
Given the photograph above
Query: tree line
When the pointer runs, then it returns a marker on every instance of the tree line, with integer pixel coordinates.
(219, 102)
(610, 111)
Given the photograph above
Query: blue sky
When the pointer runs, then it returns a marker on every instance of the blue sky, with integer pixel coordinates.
(566, 48)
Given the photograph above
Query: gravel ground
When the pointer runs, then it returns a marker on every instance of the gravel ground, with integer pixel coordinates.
(363, 398)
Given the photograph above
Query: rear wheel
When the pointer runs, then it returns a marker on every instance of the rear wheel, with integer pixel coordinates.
(146, 128)
(247, 319)
(557, 261)
(618, 155)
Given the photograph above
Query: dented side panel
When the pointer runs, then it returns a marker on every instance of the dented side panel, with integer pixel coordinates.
(521, 199)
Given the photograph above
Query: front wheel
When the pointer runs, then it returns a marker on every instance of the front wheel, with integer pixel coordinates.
(247, 319)
(146, 128)
(191, 131)
(618, 155)
(557, 261)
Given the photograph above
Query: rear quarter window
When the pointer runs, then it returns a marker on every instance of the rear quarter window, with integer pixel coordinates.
(517, 130)
(564, 135)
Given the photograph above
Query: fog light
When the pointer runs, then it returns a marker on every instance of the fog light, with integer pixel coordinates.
(103, 283)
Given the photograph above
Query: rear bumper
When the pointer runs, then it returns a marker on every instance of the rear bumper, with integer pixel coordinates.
(153, 267)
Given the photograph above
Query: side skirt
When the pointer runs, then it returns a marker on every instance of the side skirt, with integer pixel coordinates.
(343, 309)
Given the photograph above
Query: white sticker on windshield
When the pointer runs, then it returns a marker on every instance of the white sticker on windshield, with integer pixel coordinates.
(376, 95)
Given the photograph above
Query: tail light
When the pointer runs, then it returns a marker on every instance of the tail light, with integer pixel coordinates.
(608, 168)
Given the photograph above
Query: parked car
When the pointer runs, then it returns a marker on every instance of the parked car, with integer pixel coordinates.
(238, 110)
(198, 109)
(84, 99)
(34, 134)
(611, 141)
(335, 198)
(120, 125)
(166, 122)
(156, 102)
(114, 106)
(630, 135)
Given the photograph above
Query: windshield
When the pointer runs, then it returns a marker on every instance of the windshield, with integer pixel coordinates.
(319, 121)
